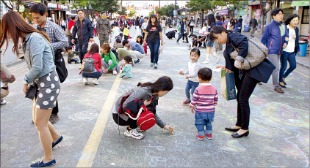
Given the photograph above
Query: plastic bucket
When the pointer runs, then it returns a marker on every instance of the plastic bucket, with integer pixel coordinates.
(303, 49)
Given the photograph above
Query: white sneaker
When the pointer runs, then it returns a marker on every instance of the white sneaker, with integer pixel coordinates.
(3, 102)
(114, 72)
(134, 134)
(85, 80)
(95, 81)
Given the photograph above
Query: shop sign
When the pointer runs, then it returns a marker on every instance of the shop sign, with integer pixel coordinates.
(51, 5)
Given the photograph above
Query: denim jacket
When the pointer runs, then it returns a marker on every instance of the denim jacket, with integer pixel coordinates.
(38, 56)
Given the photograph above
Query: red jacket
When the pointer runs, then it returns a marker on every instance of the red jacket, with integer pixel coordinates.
(70, 24)
(97, 58)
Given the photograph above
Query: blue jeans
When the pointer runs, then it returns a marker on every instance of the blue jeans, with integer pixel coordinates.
(203, 119)
(290, 57)
(154, 47)
(91, 75)
(190, 86)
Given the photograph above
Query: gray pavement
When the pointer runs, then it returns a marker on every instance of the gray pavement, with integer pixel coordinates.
(279, 126)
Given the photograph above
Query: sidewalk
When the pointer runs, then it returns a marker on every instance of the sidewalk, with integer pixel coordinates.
(304, 61)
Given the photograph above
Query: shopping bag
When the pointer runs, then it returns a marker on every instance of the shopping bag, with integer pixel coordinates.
(228, 89)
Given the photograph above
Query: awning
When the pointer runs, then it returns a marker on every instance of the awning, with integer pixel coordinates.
(300, 3)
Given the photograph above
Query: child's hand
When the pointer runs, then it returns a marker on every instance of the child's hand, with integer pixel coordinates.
(181, 72)
(104, 70)
(187, 76)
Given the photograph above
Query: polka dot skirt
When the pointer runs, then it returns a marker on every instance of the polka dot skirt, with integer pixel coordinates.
(49, 88)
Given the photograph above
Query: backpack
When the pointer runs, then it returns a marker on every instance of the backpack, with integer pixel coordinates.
(88, 65)
(145, 118)
(257, 52)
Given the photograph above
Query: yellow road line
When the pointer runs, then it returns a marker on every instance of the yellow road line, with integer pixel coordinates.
(90, 149)
(302, 74)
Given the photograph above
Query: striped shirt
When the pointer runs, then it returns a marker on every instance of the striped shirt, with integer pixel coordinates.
(56, 34)
(204, 98)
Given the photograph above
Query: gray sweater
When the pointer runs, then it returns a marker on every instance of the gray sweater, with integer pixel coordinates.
(142, 93)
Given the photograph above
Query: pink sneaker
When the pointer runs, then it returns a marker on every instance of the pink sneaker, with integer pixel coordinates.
(209, 136)
(186, 102)
(200, 137)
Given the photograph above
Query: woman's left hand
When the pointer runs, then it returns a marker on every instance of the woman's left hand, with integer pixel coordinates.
(169, 128)
(25, 89)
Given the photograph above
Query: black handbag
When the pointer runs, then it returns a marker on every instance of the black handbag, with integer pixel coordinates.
(32, 92)
(60, 66)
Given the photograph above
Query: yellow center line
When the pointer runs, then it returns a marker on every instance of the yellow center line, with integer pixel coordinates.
(302, 73)
(90, 149)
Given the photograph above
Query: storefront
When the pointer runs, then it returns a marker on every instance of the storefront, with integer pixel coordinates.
(56, 12)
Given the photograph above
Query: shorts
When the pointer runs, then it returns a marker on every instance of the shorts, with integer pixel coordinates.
(210, 43)
(48, 90)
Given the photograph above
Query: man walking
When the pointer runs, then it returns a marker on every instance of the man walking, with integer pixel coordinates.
(253, 24)
(84, 30)
(103, 28)
(273, 40)
(56, 35)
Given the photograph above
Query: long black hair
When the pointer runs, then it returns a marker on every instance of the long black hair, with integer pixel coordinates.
(163, 83)
(217, 30)
(211, 19)
(156, 21)
(290, 18)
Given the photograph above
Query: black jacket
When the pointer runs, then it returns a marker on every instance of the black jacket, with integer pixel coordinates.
(84, 30)
(261, 72)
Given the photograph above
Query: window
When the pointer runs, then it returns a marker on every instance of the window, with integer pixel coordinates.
(305, 15)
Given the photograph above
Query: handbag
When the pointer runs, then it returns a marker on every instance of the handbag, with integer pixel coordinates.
(6, 75)
(257, 52)
(32, 92)
(60, 66)
(228, 89)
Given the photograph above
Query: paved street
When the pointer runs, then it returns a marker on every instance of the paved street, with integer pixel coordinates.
(279, 125)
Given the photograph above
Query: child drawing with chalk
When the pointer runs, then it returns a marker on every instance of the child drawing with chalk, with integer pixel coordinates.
(144, 96)
(203, 104)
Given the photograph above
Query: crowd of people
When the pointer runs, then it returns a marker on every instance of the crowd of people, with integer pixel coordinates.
(119, 52)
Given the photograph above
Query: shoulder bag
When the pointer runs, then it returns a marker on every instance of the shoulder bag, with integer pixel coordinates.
(257, 52)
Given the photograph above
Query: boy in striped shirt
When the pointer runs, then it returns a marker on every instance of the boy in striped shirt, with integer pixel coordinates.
(203, 104)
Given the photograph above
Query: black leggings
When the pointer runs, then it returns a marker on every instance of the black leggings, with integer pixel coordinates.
(118, 120)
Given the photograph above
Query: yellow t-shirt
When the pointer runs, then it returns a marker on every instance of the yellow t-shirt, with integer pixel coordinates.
(126, 32)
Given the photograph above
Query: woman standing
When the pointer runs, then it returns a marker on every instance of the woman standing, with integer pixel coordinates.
(42, 72)
(249, 78)
(211, 23)
(290, 48)
(153, 34)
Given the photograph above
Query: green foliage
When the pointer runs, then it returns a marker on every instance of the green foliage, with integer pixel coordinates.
(110, 6)
(122, 12)
(167, 10)
(200, 5)
(132, 13)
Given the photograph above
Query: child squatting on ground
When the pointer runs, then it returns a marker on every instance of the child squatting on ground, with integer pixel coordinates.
(127, 67)
(191, 74)
(203, 103)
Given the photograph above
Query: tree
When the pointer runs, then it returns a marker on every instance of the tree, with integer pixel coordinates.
(167, 10)
(266, 6)
(109, 6)
(200, 5)
(123, 11)
(132, 13)
(9, 4)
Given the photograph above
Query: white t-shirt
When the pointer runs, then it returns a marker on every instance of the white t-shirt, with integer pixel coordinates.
(291, 40)
(144, 25)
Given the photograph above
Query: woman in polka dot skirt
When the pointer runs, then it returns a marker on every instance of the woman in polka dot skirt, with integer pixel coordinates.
(42, 72)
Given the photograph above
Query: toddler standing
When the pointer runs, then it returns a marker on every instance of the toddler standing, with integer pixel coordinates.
(127, 67)
(191, 74)
(203, 103)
